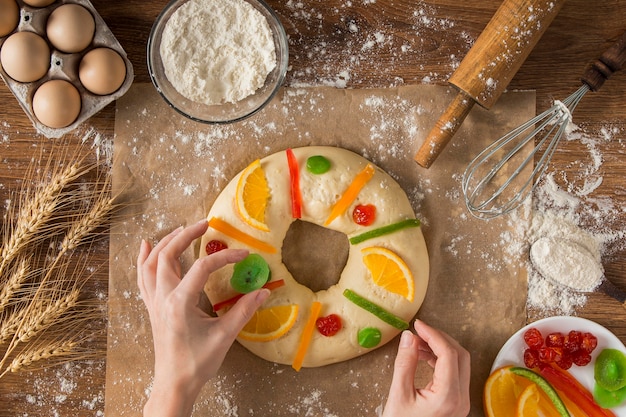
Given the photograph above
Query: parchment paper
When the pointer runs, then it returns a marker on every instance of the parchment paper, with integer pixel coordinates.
(170, 169)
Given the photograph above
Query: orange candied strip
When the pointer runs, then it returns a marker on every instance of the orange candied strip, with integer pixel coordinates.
(229, 230)
(351, 193)
(307, 334)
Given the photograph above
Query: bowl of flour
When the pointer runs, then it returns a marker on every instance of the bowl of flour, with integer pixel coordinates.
(217, 61)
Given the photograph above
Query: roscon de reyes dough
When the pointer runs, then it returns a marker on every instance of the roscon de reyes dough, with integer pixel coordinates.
(381, 286)
(217, 51)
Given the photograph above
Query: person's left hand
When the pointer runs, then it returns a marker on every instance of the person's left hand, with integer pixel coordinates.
(189, 344)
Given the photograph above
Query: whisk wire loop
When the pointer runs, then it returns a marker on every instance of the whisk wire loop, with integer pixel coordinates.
(488, 189)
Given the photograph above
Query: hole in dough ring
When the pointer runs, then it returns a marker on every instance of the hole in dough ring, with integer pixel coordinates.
(319, 193)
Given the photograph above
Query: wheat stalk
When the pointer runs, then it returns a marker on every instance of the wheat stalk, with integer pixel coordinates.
(42, 308)
(60, 344)
(14, 283)
(45, 315)
(87, 224)
(54, 350)
(36, 211)
(11, 324)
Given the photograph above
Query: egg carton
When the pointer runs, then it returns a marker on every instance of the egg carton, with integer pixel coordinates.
(65, 66)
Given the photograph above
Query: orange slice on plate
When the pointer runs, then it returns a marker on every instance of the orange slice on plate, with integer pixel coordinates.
(270, 323)
(533, 402)
(389, 271)
(503, 388)
(252, 196)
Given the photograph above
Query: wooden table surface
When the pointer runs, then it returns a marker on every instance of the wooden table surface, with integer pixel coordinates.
(361, 43)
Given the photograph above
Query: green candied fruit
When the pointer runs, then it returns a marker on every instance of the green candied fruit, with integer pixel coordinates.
(317, 164)
(250, 274)
(385, 230)
(369, 337)
(376, 310)
(610, 370)
(608, 399)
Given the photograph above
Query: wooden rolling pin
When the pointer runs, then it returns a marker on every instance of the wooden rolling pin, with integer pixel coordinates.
(489, 66)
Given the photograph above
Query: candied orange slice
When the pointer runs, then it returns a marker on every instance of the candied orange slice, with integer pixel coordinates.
(534, 402)
(252, 196)
(502, 391)
(270, 323)
(389, 271)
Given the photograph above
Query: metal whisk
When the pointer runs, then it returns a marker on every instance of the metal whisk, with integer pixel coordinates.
(499, 179)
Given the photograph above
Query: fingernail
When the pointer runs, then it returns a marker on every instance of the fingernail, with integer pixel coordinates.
(406, 339)
(262, 295)
(203, 222)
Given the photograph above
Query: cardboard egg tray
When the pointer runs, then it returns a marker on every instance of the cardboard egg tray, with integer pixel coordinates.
(65, 66)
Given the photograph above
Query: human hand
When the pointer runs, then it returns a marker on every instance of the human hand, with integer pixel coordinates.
(447, 395)
(189, 344)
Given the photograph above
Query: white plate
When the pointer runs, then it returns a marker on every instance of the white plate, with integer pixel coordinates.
(512, 353)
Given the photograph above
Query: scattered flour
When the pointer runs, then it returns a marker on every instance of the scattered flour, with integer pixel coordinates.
(567, 207)
(370, 56)
(210, 58)
(564, 206)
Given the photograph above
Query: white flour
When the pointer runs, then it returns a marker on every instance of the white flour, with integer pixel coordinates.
(567, 263)
(568, 207)
(217, 51)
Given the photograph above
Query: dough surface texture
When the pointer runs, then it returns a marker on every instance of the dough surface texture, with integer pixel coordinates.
(319, 194)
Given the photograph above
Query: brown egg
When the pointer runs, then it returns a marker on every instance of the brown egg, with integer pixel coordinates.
(25, 56)
(39, 3)
(102, 71)
(9, 16)
(56, 103)
(70, 28)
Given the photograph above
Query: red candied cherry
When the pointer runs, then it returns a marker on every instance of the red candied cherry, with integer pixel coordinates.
(531, 358)
(581, 358)
(546, 355)
(564, 361)
(364, 214)
(588, 342)
(215, 246)
(572, 341)
(533, 338)
(556, 339)
(329, 325)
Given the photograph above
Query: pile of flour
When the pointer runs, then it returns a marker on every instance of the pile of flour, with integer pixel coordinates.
(217, 51)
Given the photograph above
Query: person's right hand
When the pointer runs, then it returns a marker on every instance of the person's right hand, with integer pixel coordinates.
(447, 395)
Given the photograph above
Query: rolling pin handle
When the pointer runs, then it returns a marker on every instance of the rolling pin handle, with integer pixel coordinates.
(445, 128)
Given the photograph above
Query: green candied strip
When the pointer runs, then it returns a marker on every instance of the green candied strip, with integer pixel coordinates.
(545, 386)
(376, 310)
(385, 230)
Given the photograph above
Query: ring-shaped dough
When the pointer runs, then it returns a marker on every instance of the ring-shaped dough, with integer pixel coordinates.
(319, 194)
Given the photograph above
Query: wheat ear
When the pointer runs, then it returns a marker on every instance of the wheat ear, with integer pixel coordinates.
(14, 283)
(86, 225)
(36, 212)
(55, 350)
(11, 324)
(46, 315)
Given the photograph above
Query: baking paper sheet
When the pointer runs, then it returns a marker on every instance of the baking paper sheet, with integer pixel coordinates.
(170, 169)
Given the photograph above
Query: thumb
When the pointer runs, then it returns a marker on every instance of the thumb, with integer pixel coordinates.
(244, 309)
(405, 365)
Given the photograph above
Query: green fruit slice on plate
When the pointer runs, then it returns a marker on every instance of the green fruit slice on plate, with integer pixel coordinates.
(608, 399)
(250, 274)
(610, 370)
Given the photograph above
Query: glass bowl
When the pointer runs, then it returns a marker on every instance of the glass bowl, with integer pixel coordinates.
(219, 113)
